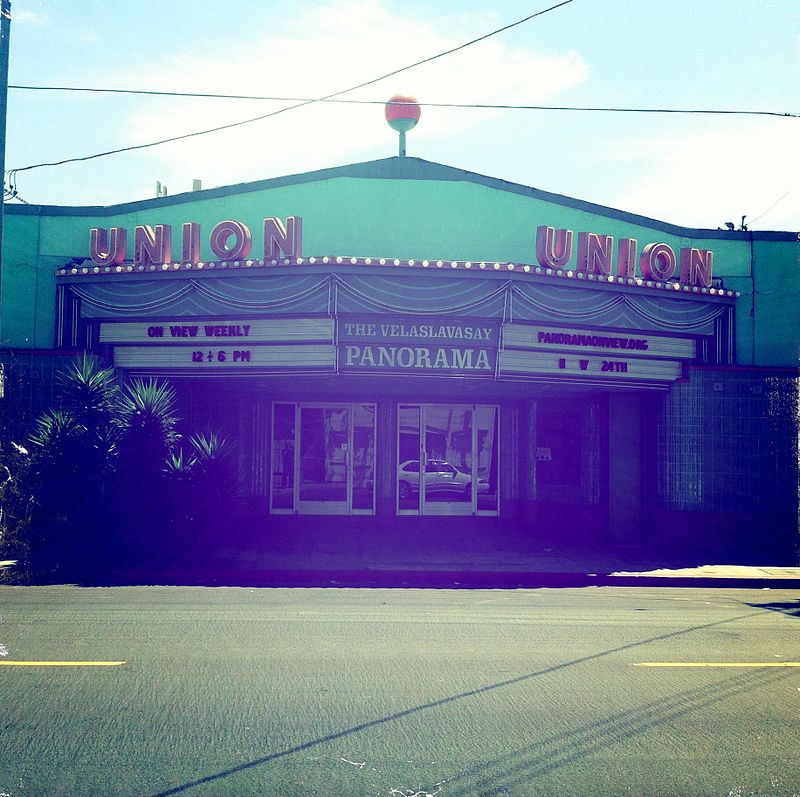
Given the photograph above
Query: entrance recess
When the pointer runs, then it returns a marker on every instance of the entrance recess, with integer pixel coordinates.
(447, 459)
(323, 458)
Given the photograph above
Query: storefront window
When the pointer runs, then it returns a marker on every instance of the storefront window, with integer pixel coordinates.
(448, 455)
(323, 453)
(487, 459)
(363, 457)
(323, 458)
(447, 460)
(408, 453)
(283, 457)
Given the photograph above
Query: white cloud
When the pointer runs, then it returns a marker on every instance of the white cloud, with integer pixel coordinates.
(25, 17)
(719, 174)
(325, 49)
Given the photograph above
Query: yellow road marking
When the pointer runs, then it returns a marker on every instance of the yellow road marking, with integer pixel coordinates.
(717, 664)
(61, 663)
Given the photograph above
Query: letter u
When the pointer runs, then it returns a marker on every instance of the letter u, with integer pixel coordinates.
(553, 247)
(107, 247)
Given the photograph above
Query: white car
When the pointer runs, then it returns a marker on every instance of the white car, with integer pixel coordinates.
(440, 477)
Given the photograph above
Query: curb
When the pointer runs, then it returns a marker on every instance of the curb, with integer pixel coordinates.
(417, 579)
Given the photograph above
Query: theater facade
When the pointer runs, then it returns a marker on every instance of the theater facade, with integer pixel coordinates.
(401, 339)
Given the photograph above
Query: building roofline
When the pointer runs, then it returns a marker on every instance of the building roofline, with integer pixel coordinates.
(396, 168)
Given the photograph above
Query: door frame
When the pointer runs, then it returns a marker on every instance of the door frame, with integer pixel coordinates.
(344, 507)
(445, 508)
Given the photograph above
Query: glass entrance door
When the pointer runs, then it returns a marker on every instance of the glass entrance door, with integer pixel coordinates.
(323, 459)
(447, 460)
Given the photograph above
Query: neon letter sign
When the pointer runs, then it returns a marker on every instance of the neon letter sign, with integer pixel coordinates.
(220, 240)
(594, 253)
(553, 247)
(152, 245)
(107, 247)
(229, 240)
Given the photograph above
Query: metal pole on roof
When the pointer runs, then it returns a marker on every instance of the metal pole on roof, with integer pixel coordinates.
(5, 36)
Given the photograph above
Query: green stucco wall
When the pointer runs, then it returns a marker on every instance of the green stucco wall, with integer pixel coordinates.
(27, 314)
(413, 214)
(776, 269)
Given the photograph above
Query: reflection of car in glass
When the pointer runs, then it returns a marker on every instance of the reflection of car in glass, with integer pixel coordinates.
(440, 477)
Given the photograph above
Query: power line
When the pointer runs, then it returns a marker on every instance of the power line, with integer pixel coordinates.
(299, 104)
(779, 199)
(11, 193)
(467, 105)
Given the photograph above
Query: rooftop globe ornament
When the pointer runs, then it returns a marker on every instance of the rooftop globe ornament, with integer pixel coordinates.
(402, 113)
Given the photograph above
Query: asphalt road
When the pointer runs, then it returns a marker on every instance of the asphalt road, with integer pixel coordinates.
(348, 692)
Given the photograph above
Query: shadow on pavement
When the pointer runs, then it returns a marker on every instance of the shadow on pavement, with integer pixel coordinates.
(533, 761)
(217, 776)
(792, 608)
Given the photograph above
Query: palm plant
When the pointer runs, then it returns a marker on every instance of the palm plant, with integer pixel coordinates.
(110, 480)
(143, 497)
(179, 467)
(146, 419)
(199, 488)
(211, 477)
(88, 394)
(88, 391)
(68, 491)
(211, 486)
(209, 450)
(56, 438)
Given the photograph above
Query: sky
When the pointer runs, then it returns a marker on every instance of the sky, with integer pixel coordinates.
(692, 170)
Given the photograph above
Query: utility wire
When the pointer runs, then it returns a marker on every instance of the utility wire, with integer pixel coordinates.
(772, 206)
(477, 105)
(11, 193)
(300, 104)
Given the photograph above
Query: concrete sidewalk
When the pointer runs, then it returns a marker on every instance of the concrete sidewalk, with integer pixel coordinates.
(767, 572)
(300, 552)
(621, 564)
(320, 552)
(205, 574)
(208, 573)
(332, 562)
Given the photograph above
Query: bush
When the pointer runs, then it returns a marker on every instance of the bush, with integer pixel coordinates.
(106, 482)
(16, 509)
